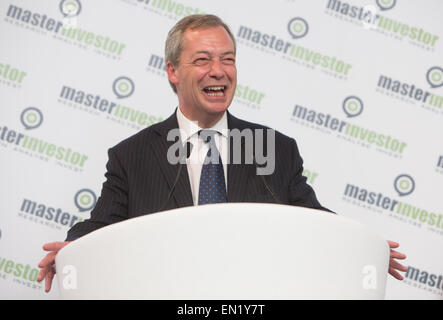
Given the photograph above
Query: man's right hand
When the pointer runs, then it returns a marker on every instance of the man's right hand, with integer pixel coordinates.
(47, 265)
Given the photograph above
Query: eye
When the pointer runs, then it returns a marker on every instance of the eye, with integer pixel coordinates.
(229, 60)
(201, 61)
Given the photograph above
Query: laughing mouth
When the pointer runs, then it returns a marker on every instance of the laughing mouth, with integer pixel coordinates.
(215, 91)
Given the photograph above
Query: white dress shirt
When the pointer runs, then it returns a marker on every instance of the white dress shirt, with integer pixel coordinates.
(189, 132)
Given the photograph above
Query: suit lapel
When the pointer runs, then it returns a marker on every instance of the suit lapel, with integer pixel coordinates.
(160, 145)
(238, 174)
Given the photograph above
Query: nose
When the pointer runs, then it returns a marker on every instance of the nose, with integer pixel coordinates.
(216, 71)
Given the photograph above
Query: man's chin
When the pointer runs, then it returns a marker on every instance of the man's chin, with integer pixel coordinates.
(215, 108)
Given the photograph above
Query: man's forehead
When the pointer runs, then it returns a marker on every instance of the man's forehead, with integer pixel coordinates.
(196, 37)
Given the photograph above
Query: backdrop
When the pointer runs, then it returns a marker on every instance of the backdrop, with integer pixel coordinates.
(358, 84)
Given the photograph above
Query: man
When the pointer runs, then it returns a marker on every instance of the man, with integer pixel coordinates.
(200, 54)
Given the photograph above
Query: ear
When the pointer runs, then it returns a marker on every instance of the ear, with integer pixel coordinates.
(172, 73)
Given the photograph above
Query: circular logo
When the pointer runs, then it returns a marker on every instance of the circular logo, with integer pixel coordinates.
(298, 27)
(404, 185)
(123, 87)
(352, 106)
(434, 76)
(31, 118)
(85, 200)
(385, 4)
(70, 8)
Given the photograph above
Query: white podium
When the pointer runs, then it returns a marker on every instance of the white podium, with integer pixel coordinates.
(227, 251)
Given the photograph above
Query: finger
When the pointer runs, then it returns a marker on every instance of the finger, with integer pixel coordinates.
(42, 274)
(46, 264)
(393, 244)
(48, 280)
(54, 246)
(395, 274)
(397, 255)
(394, 264)
(48, 260)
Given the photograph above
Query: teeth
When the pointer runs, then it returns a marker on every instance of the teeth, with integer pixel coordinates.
(215, 88)
(216, 94)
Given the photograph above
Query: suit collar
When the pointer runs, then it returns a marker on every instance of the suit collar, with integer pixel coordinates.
(189, 128)
(171, 123)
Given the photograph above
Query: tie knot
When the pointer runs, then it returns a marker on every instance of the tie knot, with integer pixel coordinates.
(207, 135)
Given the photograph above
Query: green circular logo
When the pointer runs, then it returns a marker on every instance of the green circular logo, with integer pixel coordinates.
(123, 87)
(298, 27)
(85, 199)
(70, 8)
(352, 106)
(434, 76)
(31, 118)
(404, 184)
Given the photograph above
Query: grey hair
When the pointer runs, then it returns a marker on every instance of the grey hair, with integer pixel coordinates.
(174, 41)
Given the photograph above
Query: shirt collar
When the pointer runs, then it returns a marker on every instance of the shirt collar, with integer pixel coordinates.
(188, 128)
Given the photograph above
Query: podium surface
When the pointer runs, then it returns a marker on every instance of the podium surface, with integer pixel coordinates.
(227, 251)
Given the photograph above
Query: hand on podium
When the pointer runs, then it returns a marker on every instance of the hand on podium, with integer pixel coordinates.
(47, 271)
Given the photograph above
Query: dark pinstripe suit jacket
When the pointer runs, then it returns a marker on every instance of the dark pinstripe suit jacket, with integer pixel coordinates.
(139, 178)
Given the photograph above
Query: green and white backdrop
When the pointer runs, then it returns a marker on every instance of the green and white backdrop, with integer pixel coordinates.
(358, 84)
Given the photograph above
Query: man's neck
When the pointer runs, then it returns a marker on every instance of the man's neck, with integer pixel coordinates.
(204, 121)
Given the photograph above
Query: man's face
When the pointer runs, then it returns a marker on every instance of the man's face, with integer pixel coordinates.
(206, 76)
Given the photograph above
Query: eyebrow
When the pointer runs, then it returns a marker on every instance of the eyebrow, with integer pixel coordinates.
(208, 53)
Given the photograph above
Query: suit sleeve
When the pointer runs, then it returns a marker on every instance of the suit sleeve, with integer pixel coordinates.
(300, 193)
(112, 205)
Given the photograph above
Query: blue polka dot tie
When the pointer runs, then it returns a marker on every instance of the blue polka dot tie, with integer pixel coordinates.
(212, 179)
